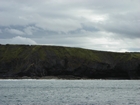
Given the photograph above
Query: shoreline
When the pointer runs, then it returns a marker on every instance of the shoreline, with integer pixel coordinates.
(65, 78)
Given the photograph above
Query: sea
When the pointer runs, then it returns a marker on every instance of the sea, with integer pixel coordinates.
(69, 92)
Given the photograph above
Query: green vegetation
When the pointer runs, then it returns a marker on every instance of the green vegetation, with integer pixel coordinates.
(9, 52)
(39, 60)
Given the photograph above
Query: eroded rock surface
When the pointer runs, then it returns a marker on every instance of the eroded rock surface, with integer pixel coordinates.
(40, 61)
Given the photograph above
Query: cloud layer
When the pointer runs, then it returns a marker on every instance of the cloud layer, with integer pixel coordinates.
(94, 24)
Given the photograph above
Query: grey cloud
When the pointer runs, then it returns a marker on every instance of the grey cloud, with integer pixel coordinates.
(14, 31)
(18, 40)
(72, 22)
(90, 27)
(134, 49)
(126, 25)
(30, 30)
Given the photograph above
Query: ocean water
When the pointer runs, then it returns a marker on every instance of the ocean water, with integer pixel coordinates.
(69, 92)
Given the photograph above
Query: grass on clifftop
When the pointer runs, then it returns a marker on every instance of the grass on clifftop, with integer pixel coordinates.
(9, 52)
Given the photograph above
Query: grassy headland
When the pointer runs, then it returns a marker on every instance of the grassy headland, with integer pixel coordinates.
(39, 61)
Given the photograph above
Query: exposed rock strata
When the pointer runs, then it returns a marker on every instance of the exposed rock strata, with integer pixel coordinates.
(20, 61)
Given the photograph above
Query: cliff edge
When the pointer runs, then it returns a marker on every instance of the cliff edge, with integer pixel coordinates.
(37, 61)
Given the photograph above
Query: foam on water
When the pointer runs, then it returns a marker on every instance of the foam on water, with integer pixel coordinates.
(69, 92)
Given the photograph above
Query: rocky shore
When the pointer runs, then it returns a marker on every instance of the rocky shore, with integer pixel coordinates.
(56, 62)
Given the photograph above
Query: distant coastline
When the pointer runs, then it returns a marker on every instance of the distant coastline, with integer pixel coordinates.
(58, 62)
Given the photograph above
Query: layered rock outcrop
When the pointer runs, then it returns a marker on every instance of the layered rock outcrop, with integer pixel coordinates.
(38, 61)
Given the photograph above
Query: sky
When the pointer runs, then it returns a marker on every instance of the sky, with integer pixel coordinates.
(107, 25)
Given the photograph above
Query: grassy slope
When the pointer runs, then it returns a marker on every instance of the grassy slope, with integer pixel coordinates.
(17, 58)
(9, 52)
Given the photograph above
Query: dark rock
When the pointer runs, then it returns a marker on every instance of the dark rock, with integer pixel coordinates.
(21, 61)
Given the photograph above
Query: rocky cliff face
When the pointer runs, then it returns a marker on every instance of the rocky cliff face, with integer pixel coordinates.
(38, 61)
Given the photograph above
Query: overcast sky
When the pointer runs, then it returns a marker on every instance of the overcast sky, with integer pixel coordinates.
(109, 25)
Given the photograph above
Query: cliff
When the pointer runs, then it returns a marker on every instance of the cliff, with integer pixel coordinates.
(38, 61)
